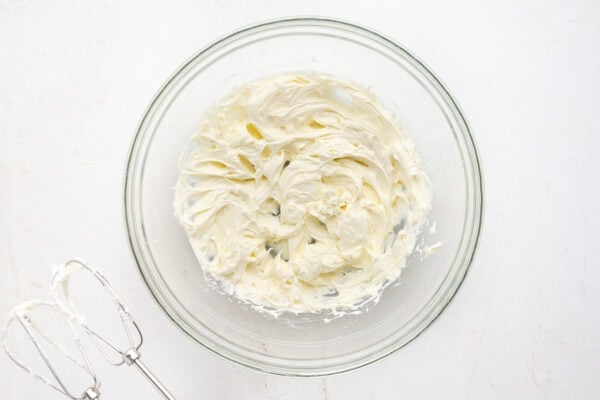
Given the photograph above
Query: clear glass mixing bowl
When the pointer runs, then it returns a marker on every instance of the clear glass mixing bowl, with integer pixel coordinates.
(287, 345)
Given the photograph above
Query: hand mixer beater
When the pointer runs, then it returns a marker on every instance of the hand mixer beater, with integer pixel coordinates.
(62, 305)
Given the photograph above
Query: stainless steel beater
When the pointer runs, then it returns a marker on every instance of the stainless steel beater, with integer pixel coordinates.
(67, 309)
(22, 314)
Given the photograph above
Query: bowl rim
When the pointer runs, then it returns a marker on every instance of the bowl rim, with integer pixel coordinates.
(472, 243)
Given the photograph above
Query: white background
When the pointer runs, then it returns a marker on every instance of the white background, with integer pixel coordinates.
(75, 77)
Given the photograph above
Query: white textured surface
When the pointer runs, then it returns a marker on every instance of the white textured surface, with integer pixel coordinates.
(75, 78)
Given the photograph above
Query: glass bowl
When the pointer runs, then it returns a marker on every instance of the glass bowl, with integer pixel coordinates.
(288, 345)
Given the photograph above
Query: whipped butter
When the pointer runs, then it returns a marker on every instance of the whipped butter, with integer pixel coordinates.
(301, 193)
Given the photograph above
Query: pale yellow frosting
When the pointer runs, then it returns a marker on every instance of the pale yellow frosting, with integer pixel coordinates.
(301, 193)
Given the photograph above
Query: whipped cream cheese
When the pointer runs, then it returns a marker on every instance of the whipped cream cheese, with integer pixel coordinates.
(301, 193)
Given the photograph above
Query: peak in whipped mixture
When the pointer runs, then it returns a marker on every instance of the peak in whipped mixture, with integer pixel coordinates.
(301, 193)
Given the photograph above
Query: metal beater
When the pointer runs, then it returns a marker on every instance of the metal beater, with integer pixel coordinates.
(36, 335)
(65, 307)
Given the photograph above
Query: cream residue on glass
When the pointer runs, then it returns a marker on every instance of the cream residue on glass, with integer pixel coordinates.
(301, 193)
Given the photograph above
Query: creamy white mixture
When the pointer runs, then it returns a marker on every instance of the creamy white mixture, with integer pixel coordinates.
(301, 193)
